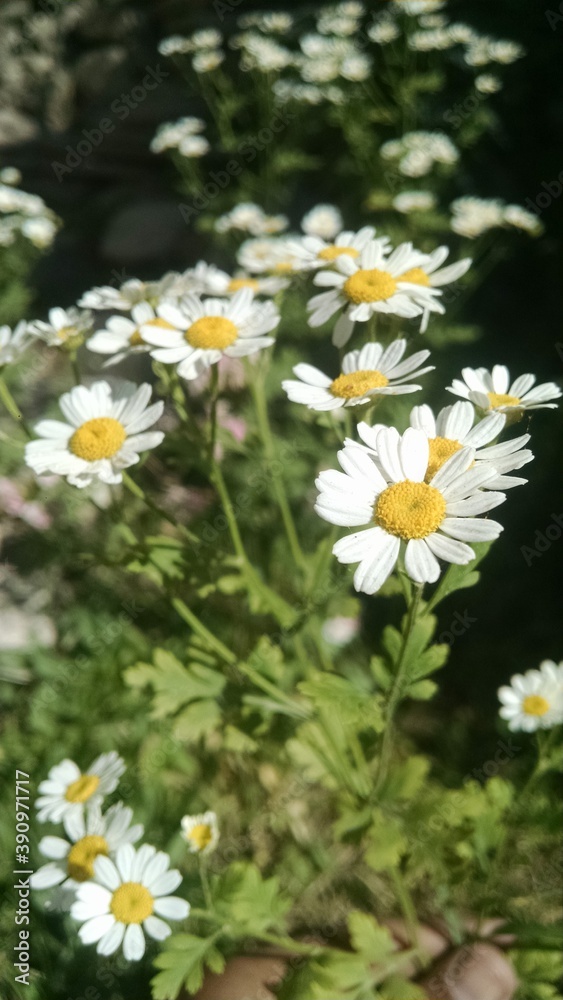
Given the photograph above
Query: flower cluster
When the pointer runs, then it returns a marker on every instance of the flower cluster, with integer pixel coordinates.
(474, 216)
(24, 214)
(182, 135)
(416, 153)
(118, 893)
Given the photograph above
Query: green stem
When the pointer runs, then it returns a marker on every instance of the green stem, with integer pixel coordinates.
(205, 884)
(285, 614)
(139, 492)
(12, 407)
(407, 906)
(75, 368)
(257, 388)
(200, 629)
(396, 689)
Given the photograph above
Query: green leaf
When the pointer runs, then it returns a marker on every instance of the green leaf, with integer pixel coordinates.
(183, 962)
(422, 690)
(460, 577)
(369, 938)
(381, 672)
(406, 779)
(248, 902)
(174, 684)
(386, 843)
(197, 720)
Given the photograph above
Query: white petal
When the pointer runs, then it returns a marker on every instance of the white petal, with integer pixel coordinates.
(172, 907)
(414, 453)
(54, 847)
(450, 549)
(468, 529)
(111, 939)
(372, 573)
(166, 883)
(95, 929)
(133, 943)
(156, 928)
(420, 564)
(478, 504)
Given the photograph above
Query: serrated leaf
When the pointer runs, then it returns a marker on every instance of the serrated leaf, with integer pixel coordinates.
(369, 938)
(183, 962)
(250, 903)
(386, 843)
(197, 720)
(406, 779)
(174, 684)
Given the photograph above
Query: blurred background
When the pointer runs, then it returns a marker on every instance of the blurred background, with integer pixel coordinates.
(119, 208)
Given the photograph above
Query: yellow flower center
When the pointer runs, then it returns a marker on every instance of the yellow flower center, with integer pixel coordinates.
(534, 704)
(332, 252)
(235, 284)
(440, 450)
(283, 267)
(99, 438)
(136, 338)
(212, 333)
(357, 384)
(416, 276)
(81, 857)
(201, 836)
(83, 788)
(131, 903)
(66, 332)
(410, 510)
(502, 399)
(369, 286)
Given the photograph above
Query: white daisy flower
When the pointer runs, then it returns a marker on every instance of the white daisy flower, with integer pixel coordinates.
(452, 429)
(487, 83)
(14, 342)
(89, 835)
(122, 336)
(206, 330)
(274, 255)
(40, 230)
(324, 221)
(368, 284)
(67, 790)
(384, 30)
(414, 201)
(436, 520)
(474, 216)
(126, 898)
(129, 293)
(366, 373)
(430, 274)
(66, 327)
(201, 832)
(534, 700)
(315, 252)
(492, 390)
(193, 146)
(206, 62)
(213, 281)
(246, 217)
(520, 218)
(105, 431)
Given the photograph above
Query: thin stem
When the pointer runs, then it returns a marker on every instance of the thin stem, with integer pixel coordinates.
(200, 629)
(397, 687)
(257, 388)
(407, 906)
(75, 369)
(12, 407)
(285, 614)
(139, 492)
(205, 884)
